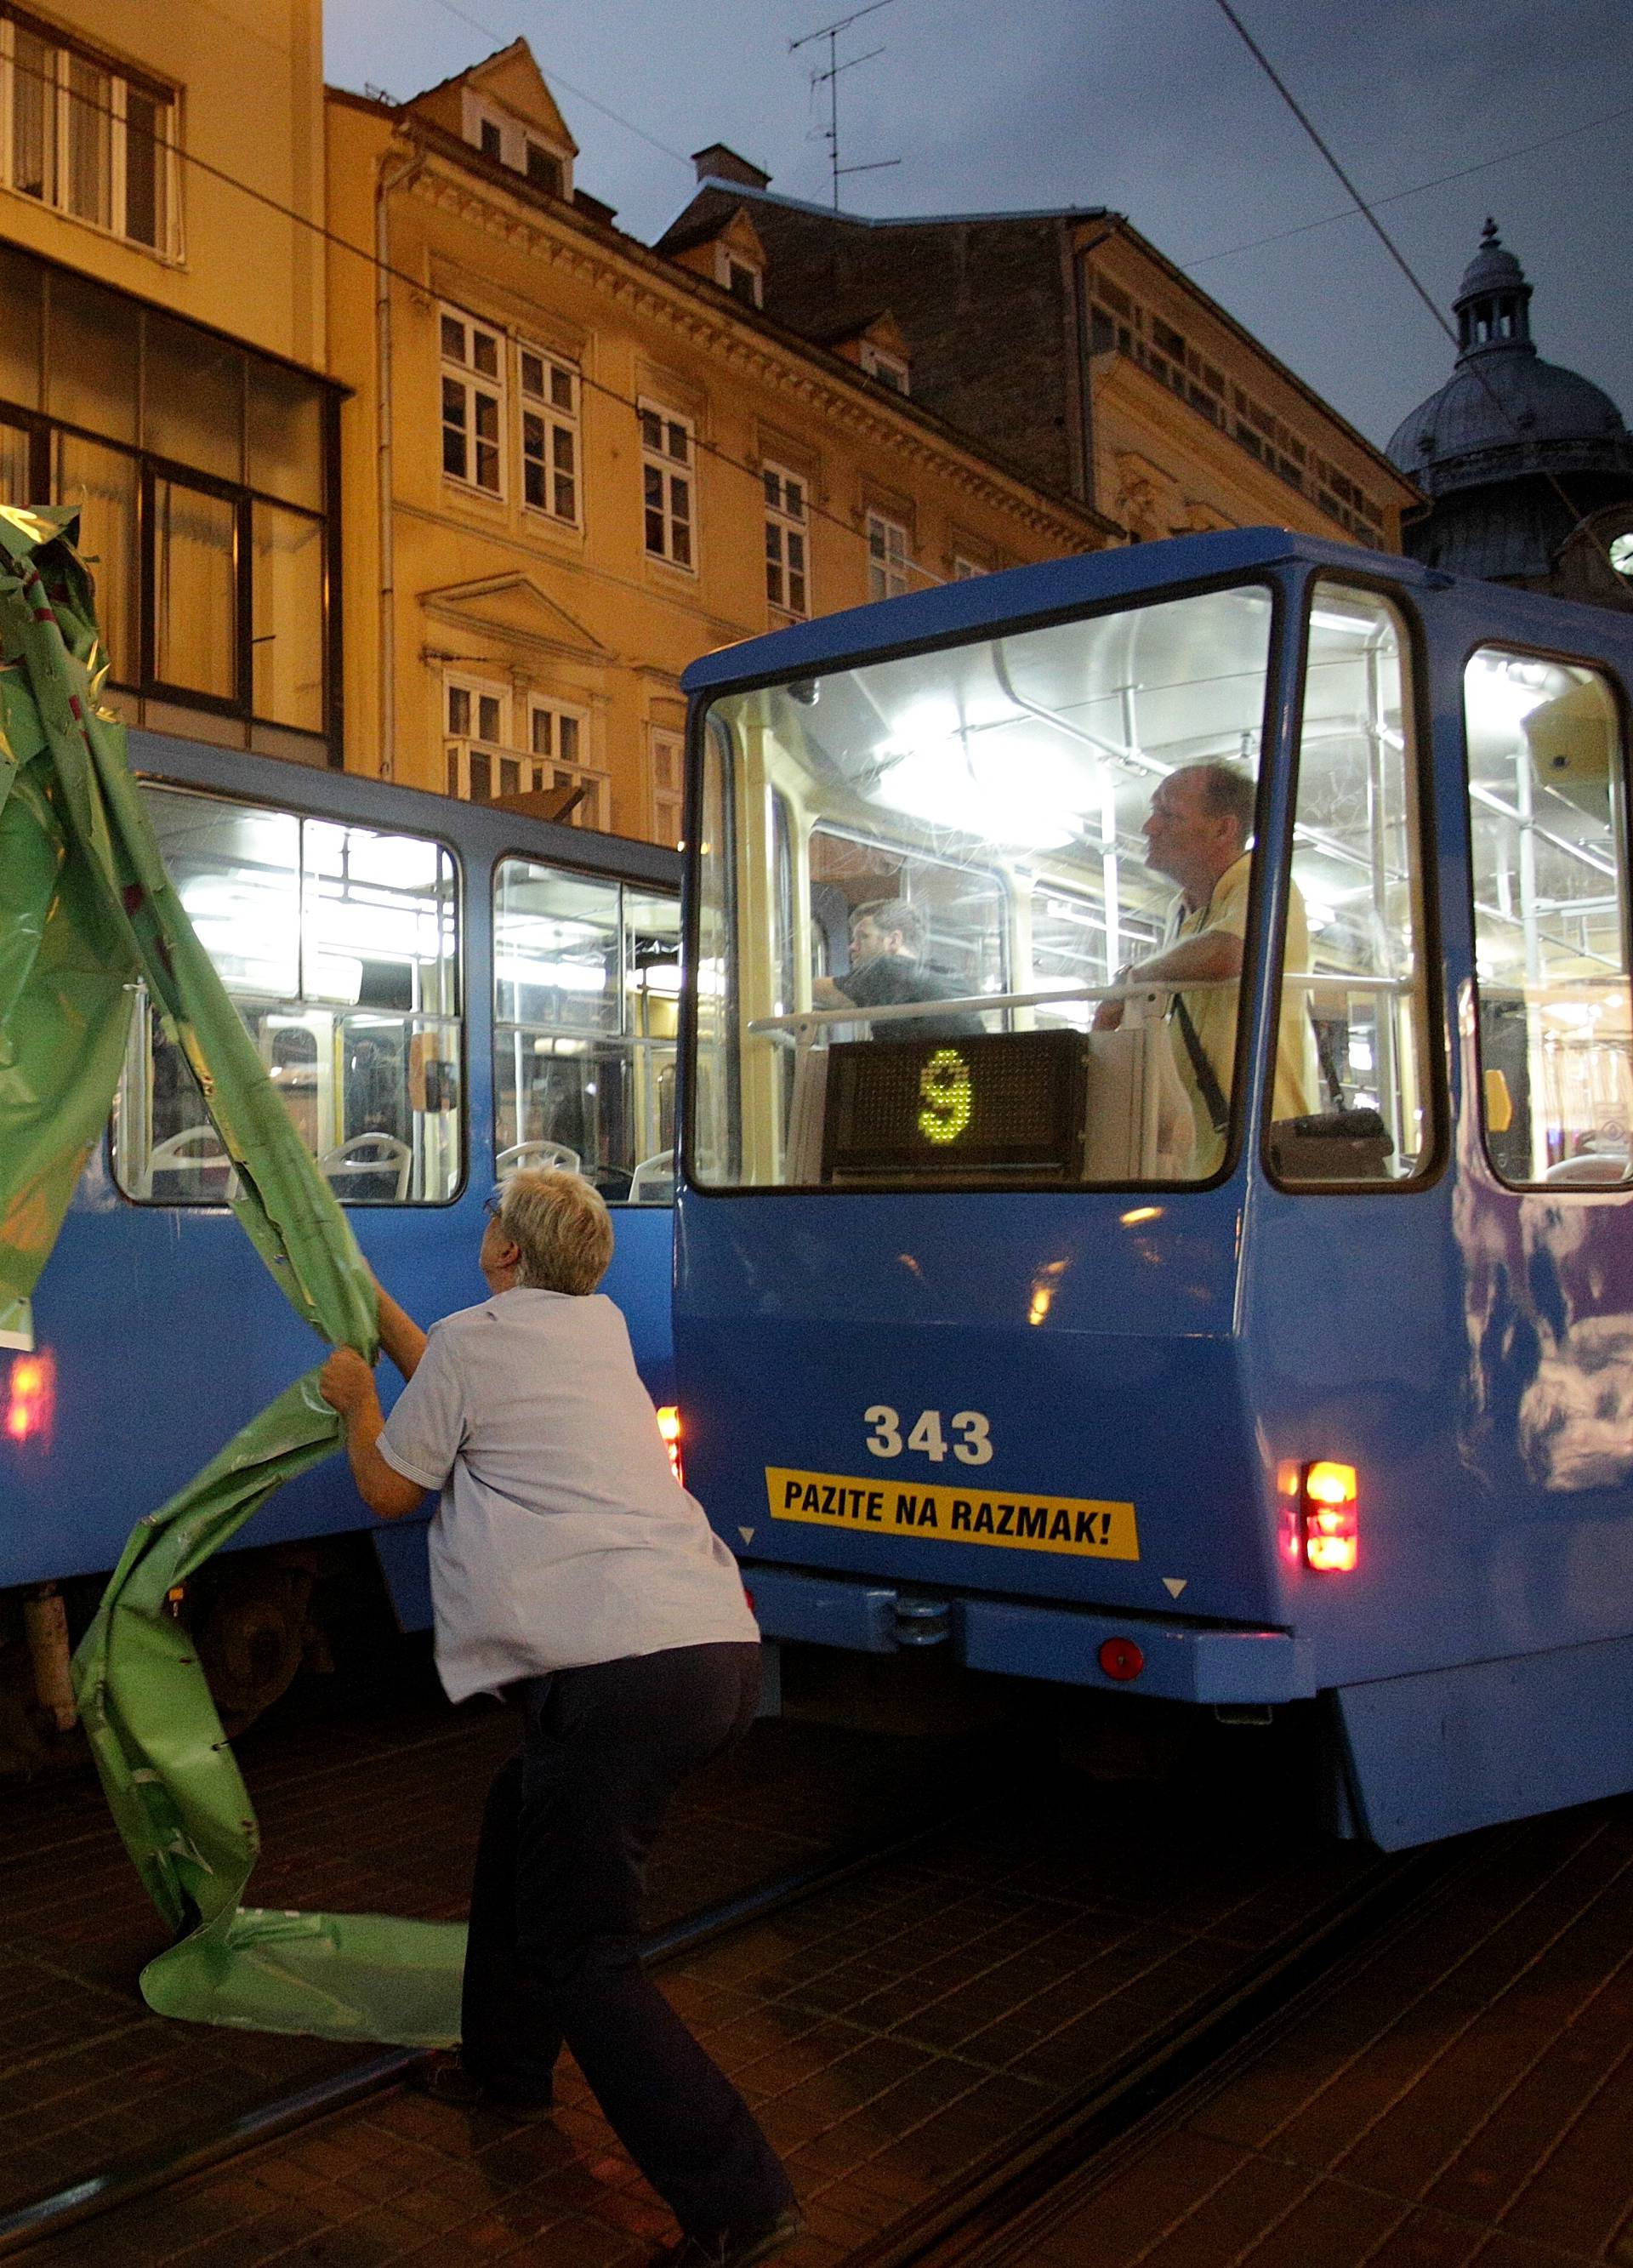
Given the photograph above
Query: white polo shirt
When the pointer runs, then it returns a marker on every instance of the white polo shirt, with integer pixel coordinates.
(562, 1538)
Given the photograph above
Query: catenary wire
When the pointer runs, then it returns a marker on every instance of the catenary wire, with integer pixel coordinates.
(1399, 196)
(1391, 247)
(578, 92)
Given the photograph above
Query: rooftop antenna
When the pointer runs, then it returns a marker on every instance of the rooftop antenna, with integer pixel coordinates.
(830, 77)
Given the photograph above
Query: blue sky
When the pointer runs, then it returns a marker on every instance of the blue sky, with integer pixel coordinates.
(1154, 108)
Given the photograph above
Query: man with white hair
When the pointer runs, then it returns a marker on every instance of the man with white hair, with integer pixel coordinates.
(571, 1572)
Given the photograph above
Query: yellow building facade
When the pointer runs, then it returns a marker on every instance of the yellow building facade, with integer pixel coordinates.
(572, 465)
(163, 333)
(1192, 424)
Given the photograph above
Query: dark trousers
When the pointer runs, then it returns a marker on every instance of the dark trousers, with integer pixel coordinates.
(554, 1919)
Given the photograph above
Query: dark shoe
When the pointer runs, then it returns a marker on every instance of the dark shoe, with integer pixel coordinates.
(446, 2080)
(734, 2248)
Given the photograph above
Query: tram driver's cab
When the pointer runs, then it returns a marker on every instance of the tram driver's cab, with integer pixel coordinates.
(1002, 792)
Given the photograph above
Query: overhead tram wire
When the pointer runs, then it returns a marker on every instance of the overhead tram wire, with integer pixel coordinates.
(1399, 196)
(326, 235)
(606, 109)
(1389, 245)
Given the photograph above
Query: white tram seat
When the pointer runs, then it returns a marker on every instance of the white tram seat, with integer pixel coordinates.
(374, 1155)
(652, 1181)
(194, 1151)
(537, 1157)
(1593, 1165)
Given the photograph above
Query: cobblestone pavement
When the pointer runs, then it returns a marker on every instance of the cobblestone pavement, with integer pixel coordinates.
(1464, 2094)
(888, 2031)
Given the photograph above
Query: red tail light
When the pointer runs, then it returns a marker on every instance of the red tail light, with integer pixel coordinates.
(1121, 1659)
(669, 1426)
(31, 1399)
(1328, 1518)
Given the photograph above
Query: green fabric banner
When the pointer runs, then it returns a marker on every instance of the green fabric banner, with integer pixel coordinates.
(85, 910)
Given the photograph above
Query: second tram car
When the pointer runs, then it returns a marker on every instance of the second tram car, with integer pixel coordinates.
(440, 990)
(1283, 1360)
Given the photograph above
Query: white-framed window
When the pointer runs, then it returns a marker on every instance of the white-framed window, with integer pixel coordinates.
(472, 403)
(890, 370)
(476, 717)
(743, 279)
(668, 755)
(507, 142)
(667, 443)
(557, 743)
(548, 388)
(888, 559)
(787, 506)
(965, 568)
(89, 140)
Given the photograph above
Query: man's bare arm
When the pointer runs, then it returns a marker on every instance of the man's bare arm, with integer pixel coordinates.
(1212, 955)
(400, 1336)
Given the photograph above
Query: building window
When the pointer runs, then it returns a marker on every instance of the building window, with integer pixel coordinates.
(556, 737)
(490, 139)
(472, 403)
(742, 279)
(549, 392)
(478, 719)
(887, 557)
(668, 786)
(200, 472)
(666, 445)
(965, 569)
(888, 369)
(786, 586)
(89, 140)
(544, 168)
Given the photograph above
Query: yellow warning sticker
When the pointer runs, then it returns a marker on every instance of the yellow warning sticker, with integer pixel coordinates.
(1084, 1525)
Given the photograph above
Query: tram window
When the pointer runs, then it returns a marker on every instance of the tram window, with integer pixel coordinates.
(586, 997)
(985, 807)
(1352, 1037)
(1549, 837)
(339, 947)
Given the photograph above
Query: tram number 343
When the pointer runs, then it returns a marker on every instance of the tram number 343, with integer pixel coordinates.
(973, 1445)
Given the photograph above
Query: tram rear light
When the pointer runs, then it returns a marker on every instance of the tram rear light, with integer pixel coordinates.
(1121, 1659)
(31, 1399)
(669, 1426)
(1328, 1522)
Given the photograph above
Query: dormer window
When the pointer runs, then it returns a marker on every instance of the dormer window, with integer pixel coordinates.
(544, 168)
(742, 279)
(506, 141)
(890, 370)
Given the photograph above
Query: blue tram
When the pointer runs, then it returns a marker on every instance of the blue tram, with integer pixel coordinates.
(440, 990)
(1198, 1276)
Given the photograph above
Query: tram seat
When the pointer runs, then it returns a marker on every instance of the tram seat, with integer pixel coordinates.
(538, 1158)
(191, 1167)
(369, 1168)
(652, 1181)
(1599, 1166)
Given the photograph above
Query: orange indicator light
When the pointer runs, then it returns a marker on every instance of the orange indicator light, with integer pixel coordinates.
(669, 1426)
(1329, 1527)
(31, 1399)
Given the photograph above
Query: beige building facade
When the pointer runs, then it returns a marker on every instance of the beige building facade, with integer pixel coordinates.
(572, 464)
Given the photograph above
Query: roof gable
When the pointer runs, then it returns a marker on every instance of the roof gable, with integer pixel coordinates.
(512, 82)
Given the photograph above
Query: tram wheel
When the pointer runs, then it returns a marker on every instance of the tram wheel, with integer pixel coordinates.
(251, 1637)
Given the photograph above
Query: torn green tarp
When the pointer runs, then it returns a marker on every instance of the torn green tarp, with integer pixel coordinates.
(85, 910)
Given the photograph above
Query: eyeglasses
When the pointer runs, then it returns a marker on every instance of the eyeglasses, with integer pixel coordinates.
(494, 1205)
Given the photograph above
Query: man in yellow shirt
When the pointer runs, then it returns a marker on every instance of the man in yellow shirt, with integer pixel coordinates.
(1197, 832)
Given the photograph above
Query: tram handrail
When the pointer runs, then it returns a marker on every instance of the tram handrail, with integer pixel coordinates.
(901, 1011)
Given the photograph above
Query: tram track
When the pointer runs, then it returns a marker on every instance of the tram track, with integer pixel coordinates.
(105, 2191)
(998, 2209)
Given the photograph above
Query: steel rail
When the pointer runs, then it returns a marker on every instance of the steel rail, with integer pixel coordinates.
(121, 2183)
(1010, 2200)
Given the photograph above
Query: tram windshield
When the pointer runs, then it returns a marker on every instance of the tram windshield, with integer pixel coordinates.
(979, 918)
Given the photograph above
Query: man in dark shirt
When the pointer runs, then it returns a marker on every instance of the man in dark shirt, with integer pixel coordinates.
(887, 968)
